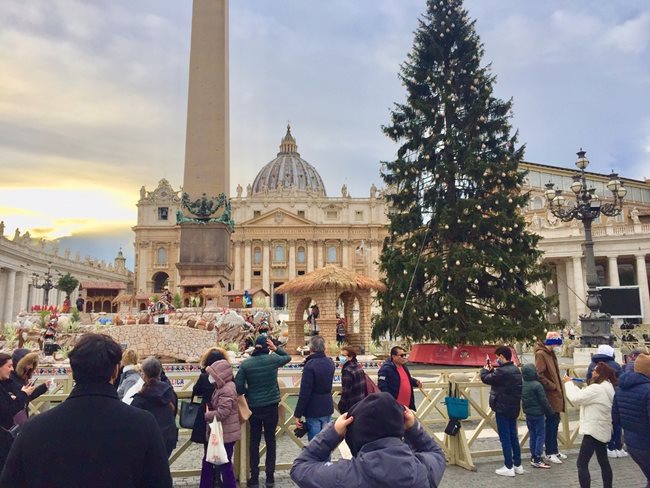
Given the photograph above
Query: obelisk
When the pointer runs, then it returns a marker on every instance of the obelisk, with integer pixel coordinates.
(204, 259)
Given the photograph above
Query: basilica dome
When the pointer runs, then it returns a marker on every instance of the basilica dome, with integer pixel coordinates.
(288, 172)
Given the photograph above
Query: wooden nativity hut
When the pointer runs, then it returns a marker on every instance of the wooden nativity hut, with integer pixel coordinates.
(325, 287)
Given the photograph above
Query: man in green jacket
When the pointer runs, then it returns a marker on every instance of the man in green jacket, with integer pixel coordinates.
(257, 378)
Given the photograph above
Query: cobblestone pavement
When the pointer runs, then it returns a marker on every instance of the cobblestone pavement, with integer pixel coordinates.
(626, 474)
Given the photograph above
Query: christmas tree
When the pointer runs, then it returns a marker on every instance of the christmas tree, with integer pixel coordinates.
(459, 262)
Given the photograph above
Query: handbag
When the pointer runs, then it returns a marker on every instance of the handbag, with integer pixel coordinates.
(457, 408)
(216, 452)
(244, 411)
(453, 427)
(371, 386)
(189, 411)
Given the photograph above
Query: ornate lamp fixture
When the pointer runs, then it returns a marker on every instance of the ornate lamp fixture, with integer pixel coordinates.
(46, 285)
(596, 326)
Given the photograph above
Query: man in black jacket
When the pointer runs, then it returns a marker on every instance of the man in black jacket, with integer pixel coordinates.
(395, 378)
(315, 398)
(505, 401)
(107, 443)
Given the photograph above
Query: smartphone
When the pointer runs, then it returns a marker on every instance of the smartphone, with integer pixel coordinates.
(488, 363)
(31, 383)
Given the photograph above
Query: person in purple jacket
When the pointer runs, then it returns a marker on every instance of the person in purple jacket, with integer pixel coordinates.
(389, 448)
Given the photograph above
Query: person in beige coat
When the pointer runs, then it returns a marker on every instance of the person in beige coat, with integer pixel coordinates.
(548, 371)
(223, 407)
(595, 402)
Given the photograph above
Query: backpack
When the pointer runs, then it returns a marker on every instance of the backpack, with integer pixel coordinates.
(371, 386)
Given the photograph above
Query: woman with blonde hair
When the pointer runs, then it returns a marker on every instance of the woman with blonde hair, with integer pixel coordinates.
(130, 372)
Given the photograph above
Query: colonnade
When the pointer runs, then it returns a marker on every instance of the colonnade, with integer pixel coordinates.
(570, 286)
(313, 255)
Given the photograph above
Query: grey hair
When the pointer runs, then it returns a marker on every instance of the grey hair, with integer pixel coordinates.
(151, 367)
(317, 344)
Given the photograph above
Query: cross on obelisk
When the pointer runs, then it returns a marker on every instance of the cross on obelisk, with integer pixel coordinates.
(205, 247)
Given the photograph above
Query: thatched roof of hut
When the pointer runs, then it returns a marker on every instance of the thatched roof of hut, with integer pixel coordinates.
(330, 276)
(123, 298)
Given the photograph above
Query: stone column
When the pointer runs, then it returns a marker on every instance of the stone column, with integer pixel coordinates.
(612, 271)
(319, 254)
(563, 291)
(10, 285)
(292, 259)
(571, 292)
(22, 291)
(310, 256)
(345, 253)
(579, 286)
(248, 258)
(642, 281)
(266, 267)
(237, 270)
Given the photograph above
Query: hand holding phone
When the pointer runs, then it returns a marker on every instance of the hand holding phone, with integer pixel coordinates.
(488, 363)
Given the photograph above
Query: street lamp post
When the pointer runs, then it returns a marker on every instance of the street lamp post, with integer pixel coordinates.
(47, 284)
(596, 326)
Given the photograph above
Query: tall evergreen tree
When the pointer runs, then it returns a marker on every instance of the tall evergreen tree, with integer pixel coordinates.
(459, 262)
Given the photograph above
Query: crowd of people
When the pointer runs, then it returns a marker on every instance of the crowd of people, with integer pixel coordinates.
(119, 421)
(614, 401)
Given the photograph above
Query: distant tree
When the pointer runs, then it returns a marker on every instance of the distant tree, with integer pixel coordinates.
(459, 262)
(68, 284)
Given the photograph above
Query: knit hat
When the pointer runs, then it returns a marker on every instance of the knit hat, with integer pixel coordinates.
(606, 350)
(18, 355)
(260, 343)
(375, 417)
(553, 338)
(642, 364)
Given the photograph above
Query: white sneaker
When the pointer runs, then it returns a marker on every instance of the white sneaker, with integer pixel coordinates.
(519, 469)
(562, 455)
(621, 453)
(612, 453)
(503, 471)
(554, 458)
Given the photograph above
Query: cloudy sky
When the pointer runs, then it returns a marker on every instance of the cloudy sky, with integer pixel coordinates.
(93, 95)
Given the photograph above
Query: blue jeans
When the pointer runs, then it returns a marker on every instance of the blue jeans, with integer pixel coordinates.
(315, 425)
(552, 424)
(507, 429)
(536, 433)
(616, 444)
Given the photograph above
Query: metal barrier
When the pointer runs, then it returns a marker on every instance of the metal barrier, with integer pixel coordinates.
(461, 450)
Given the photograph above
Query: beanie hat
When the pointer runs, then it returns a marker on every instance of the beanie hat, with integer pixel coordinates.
(553, 338)
(642, 364)
(18, 355)
(375, 417)
(213, 357)
(260, 344)
(606, 350)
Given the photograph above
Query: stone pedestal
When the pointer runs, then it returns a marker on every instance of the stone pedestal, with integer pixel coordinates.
(205, 253)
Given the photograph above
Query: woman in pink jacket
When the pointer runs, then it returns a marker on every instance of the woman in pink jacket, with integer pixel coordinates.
(223, 407)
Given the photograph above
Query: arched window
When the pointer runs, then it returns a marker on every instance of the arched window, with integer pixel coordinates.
(161, 256)
(257, 256)
(332, 254)
(538, 203)
(278, 254)
(300, 255)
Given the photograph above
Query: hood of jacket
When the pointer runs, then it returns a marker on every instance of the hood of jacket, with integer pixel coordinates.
(529, 373)
(631, 379)
(540, 347)
(28, 361)
(390, 462)
(221, 372)
(156, 392)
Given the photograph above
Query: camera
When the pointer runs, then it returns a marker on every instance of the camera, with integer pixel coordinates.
(300, 431)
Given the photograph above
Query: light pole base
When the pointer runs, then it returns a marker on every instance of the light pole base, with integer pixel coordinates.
(596, 330)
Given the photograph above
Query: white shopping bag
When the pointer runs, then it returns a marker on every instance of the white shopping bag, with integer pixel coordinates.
(128, 396)
(216, 452)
